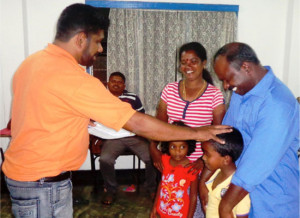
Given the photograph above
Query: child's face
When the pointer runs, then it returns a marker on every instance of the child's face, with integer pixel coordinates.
(178, 150)
(212, 159)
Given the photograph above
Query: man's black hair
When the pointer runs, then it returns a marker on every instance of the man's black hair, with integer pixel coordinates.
(118, 74)
(237, 53)
(233, 146)
(80, 18)
(191, 143)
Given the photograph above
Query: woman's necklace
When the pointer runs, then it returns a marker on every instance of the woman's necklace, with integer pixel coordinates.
(198, 93)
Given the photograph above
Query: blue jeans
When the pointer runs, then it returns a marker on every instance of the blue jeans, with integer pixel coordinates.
(41, 199)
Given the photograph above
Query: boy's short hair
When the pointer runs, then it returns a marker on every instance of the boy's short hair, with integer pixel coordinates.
(191, 143)
(233, 146)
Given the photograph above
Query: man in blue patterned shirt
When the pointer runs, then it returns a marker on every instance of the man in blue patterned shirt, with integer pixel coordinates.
(116, 85)
(111, 149)
(267, 114)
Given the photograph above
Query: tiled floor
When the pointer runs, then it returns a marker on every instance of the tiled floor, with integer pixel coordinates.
(131, 205)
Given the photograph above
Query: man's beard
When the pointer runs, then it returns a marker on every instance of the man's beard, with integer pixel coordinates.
(87, 59)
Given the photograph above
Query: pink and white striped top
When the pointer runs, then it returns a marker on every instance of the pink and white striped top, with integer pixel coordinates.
(194, 114)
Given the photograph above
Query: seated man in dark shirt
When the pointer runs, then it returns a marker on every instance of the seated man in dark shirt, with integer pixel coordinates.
(111, 149)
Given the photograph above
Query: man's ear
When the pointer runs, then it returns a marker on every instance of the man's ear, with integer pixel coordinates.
(81, 40)
(246, 67)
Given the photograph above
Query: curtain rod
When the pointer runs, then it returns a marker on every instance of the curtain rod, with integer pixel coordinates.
(163, 6)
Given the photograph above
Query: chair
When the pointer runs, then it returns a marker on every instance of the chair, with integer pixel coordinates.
(4, 133)
(95, 152)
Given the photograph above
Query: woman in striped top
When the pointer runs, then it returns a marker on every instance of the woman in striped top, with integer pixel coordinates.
(193, 100)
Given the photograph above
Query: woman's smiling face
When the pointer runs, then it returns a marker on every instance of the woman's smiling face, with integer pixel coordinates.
(191, 65)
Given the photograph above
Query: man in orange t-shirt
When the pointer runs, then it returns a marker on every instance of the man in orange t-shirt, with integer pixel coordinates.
(54, 99)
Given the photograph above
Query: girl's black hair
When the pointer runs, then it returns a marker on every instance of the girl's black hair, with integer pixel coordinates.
(191, 143)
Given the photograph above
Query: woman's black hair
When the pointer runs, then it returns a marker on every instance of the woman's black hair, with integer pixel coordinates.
(191, 143)
(201, 53)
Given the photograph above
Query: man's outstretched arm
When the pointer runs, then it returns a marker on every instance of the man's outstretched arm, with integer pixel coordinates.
(152, 128)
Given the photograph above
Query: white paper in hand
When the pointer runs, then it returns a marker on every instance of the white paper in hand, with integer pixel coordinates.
(107, 133)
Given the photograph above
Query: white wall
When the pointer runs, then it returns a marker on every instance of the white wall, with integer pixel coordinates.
(292, 48)
(11, 54)
(271, 27)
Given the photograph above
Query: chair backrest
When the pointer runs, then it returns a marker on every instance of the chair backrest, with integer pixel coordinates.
(95, 145)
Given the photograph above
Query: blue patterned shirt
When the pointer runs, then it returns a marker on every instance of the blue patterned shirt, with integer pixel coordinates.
(132, 99)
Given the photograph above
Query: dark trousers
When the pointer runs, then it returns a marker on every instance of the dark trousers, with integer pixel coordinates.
(113, 148)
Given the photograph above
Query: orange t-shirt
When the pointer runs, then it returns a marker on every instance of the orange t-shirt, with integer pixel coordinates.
(54, 99)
